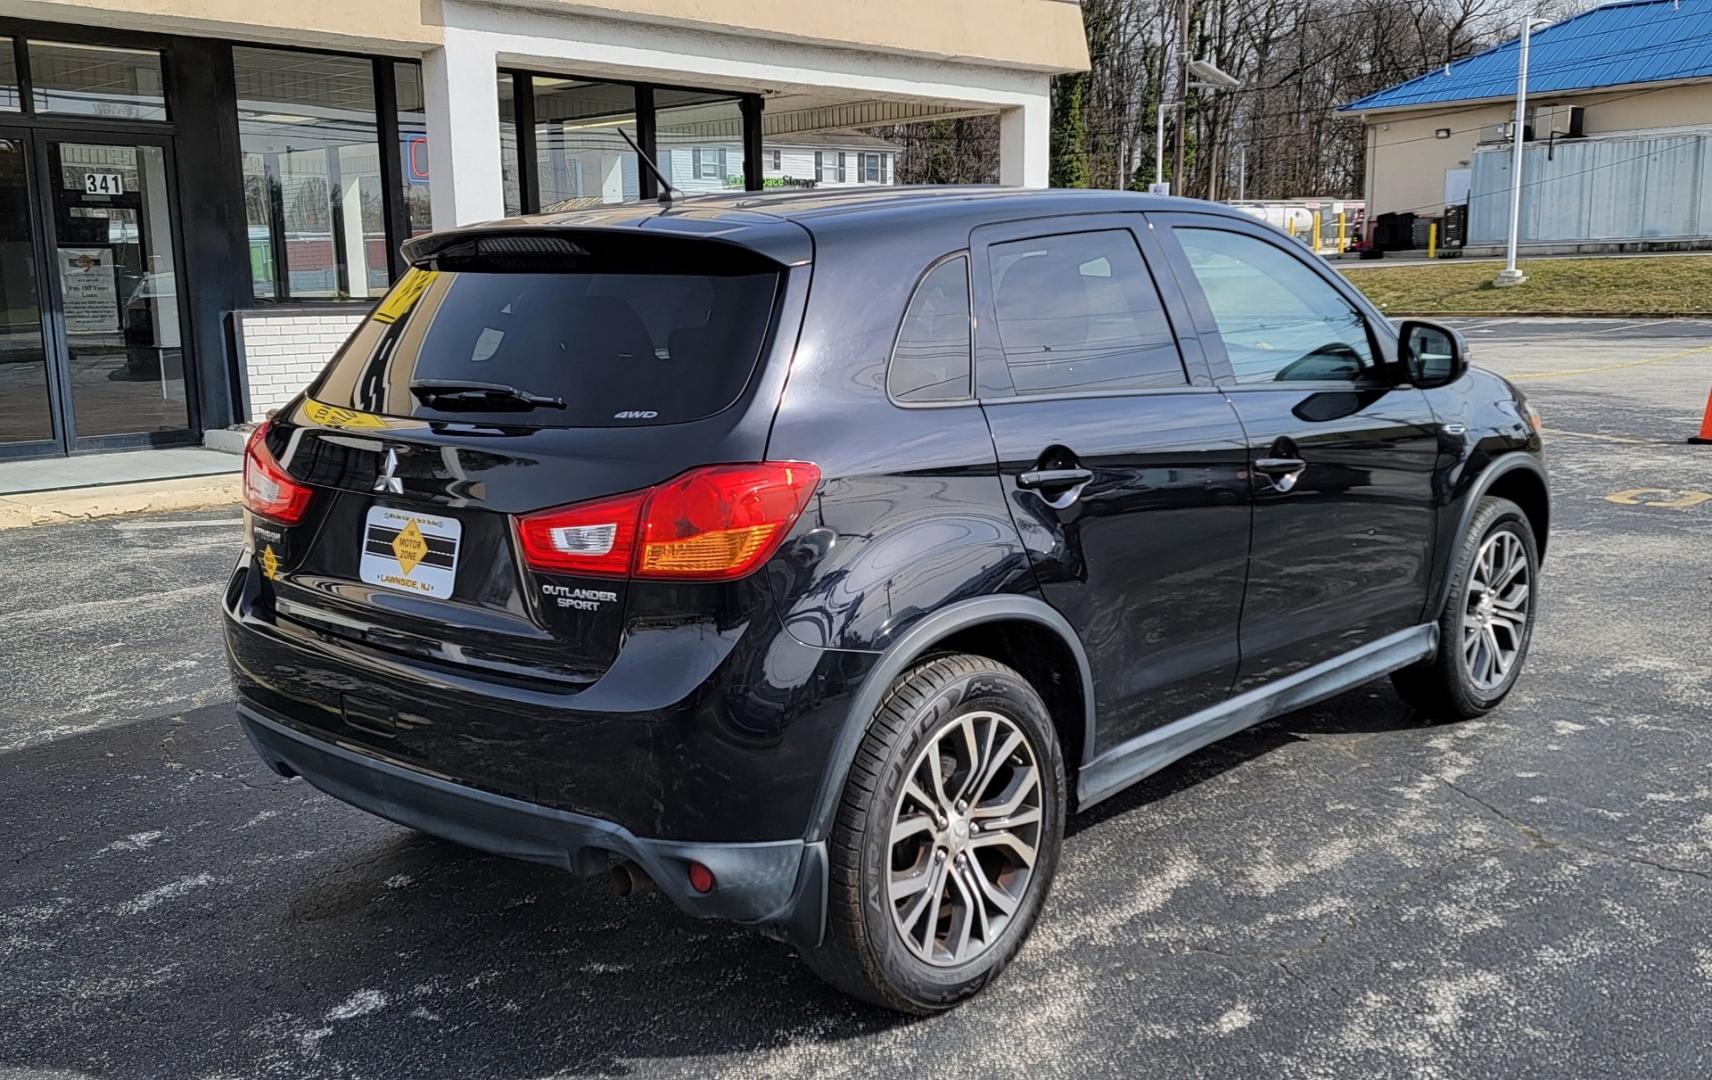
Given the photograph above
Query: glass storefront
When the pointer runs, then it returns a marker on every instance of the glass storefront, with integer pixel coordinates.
(25, 412)
(312, 182)
(113, 298)
(562, 141)
(96, 80)
(93, 334)
(700, 139)
(112, 234)
(580, 158)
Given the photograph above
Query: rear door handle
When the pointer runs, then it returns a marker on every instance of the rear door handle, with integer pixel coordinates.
(1054, 478)
(1282, 471)
(1058, 487)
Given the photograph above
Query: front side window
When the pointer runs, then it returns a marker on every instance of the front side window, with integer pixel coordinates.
(1081, 312)
(931, 360)
(1280, 321)
(312, 184)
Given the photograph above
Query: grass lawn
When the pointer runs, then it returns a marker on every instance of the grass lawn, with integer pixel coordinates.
(1670, 285)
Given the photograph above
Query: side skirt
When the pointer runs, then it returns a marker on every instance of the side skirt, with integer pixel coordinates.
(1151, 751)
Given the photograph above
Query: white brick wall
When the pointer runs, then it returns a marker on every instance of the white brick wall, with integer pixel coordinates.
(282, 351)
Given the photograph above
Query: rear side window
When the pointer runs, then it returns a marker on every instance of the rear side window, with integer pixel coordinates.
(1080, 312)
(585, 346)
(931, 360)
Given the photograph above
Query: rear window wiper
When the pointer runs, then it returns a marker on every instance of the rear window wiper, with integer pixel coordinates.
(452, 393)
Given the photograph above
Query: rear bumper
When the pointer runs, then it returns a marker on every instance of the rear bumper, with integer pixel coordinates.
(778, 887)
(700, 731)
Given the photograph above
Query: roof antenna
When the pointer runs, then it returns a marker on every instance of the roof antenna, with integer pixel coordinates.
(667, 192)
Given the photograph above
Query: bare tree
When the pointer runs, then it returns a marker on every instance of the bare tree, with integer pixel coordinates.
(1299, 60)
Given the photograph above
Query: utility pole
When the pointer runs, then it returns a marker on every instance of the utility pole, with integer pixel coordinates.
(1510, 275)
(1242, 172)
(1182, 100)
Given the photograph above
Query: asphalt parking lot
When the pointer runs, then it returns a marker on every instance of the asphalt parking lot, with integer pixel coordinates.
(1341, 892)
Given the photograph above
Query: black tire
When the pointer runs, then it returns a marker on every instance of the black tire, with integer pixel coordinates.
(1443, 688)
(864, 953)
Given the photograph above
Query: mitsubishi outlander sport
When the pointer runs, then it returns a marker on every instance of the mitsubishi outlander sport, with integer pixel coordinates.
(813, 556)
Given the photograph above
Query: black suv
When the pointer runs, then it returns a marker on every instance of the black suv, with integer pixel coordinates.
(812, 556)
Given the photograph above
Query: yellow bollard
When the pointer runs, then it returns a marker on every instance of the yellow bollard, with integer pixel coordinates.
(1342, 236)
(1433, 240)
(1316, 232)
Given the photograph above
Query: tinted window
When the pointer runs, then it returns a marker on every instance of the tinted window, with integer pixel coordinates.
(1079, 312)
(619, 348)
(931, 361)
(1280, 321)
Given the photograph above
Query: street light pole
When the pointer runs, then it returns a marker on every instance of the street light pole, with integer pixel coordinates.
(1182, 101)
(1510, 275)
(1159, 143)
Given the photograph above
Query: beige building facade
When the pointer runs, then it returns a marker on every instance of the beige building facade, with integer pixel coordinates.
(198, 197)
(1414, 153)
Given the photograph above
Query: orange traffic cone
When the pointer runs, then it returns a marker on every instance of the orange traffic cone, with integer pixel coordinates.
(1705, 436)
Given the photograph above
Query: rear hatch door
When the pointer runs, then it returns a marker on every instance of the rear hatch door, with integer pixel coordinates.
(543, 371)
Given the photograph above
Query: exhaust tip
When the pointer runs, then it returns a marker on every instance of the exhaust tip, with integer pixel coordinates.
(628, 879)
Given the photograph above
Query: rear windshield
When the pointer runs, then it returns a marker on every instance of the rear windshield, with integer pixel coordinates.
(605, 346)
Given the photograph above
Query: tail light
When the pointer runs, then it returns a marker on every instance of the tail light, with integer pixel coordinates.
(715, 523)
(268, 489)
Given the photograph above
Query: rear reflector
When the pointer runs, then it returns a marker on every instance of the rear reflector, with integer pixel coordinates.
(715, 523)
(268, 489)
(701, 878)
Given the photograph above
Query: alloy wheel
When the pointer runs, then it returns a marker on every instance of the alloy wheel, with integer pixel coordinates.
(1495, 610)
(965, 834)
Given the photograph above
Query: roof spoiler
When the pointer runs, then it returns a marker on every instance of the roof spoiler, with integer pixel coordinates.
(557, 248)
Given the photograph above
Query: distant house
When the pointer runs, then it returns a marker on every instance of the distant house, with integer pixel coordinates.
(830, 159)
(697, 164)
(1618, 138)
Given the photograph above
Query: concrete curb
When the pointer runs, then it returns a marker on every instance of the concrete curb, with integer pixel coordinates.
(147, 497)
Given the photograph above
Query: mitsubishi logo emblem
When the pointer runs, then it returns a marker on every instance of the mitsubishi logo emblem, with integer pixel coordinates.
(386, 481)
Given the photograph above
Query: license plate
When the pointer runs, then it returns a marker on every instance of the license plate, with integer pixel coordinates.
(410, 552)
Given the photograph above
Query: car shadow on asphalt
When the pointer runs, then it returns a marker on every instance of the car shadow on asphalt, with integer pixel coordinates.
(1366, 710)
(173, 908)
(267, 927)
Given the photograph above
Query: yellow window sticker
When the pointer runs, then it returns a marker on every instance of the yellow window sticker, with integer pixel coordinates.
(335, 416)
(404, 295)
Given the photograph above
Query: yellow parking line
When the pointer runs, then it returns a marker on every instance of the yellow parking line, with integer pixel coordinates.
(1613, 367)
(1591, 435)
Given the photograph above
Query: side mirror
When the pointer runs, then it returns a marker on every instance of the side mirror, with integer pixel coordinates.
(1432, 354)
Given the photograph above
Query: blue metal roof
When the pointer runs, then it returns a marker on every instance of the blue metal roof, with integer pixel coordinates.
(1640, 41)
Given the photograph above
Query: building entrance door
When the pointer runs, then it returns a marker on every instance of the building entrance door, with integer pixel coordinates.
(95, 334)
